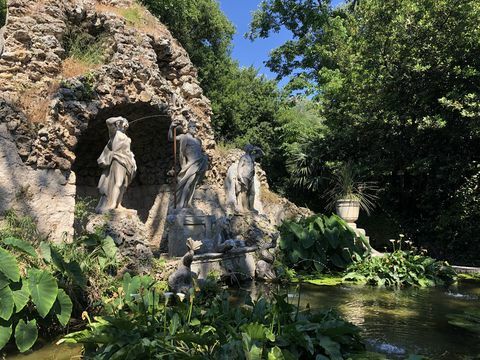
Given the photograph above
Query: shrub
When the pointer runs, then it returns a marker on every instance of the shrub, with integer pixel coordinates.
(140, 323)
(401, 268)
(27, 295)
(320, 242)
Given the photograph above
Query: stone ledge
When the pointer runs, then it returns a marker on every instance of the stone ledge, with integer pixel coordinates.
(466, 269)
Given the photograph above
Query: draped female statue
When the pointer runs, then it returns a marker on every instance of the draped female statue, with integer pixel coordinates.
(119, 166)
(193, 163)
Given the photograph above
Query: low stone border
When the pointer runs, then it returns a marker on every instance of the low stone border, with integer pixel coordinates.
(466, 269)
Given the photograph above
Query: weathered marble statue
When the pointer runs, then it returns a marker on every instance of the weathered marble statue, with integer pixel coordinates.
(119, 166)
(182, 279)
(242, 185)
(193, 163)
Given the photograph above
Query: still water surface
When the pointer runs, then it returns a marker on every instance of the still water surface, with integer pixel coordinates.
(400, 323)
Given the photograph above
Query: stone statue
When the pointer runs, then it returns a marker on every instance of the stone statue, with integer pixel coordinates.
(182, 279)
(242, 185)
(193, 163)
(119, 166)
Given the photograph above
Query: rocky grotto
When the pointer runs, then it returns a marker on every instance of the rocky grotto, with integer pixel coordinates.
(53, 130)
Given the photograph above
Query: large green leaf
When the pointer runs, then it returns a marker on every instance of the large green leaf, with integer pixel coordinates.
(21, 295)
(6, 303)
(338, 261)
(309, 240)
(5, 333)
(26, 334)
(3, 281)
(44, 290)
(258, 332)
(75, 273)
(9, 266)
(63, 307)
(109, 247)
(20, 245)
(46, 251)
(332, 237)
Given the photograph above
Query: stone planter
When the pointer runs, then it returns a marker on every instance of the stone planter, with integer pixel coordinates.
(348, 210)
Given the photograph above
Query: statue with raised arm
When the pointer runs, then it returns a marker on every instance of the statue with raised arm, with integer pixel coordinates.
(242, 185)
(193, 163)
(119, 166)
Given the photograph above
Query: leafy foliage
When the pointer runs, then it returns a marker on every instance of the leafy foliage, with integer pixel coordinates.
(42, 285)
(84, 47)
(401, 268)
(24, 297)
(397, 83)
(141, 323)
(320, 242)
(3, 12)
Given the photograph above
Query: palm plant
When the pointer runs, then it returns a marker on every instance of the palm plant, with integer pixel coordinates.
(346, 186)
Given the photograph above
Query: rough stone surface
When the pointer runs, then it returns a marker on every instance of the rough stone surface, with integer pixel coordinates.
(128, 233)
(35, 192)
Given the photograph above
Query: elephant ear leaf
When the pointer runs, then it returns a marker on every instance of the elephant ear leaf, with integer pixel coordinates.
(9, 266)
(6, 303)
(26, 334)
(63, 307)
(43, 289)
(21, 296)
(20, 245)
(5, 334)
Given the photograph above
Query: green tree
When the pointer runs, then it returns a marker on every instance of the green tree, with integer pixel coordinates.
(399, 86)
(203, 30)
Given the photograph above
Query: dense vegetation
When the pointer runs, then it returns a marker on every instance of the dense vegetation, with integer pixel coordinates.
(320, 243)
(398, 87)
(143, 322)
(42, 284)
(401, 268)
(315, 248)
(391, 87)
(3, 12)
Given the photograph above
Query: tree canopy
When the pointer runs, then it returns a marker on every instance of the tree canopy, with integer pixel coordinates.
(398, 83)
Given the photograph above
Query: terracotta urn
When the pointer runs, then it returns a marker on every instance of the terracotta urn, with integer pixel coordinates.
(348, 209)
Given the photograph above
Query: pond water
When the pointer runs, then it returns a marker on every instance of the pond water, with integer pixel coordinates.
(395, 323)
(400, 323)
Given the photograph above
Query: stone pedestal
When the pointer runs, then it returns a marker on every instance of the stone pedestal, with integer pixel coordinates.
(128, 233)
(184, 224)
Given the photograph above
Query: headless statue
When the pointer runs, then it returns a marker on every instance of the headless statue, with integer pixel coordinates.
(119, 166)
(241, 183)
(193, 164)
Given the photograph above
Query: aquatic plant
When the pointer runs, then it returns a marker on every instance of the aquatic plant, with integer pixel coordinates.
(141, 322)
(320, 242)
(400, 268)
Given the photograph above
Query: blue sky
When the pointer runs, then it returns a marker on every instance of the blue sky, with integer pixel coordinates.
(247, 52)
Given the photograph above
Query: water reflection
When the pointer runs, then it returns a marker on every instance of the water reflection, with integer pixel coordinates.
(397, 323)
